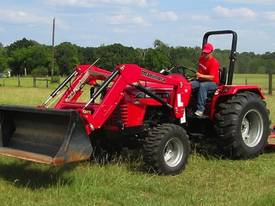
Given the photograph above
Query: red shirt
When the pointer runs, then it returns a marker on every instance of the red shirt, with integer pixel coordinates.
(209, 67)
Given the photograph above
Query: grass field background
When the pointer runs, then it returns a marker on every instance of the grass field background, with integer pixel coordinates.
(256, 79)
(206, 180)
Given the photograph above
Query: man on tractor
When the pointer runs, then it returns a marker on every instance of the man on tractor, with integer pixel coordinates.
(207, 77)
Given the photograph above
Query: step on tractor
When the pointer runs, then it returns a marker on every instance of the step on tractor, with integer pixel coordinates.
(96, 110)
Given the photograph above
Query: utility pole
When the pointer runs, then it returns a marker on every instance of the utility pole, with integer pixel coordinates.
(53, 35)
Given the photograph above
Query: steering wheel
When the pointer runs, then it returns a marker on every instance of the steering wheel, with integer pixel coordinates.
(182, 70)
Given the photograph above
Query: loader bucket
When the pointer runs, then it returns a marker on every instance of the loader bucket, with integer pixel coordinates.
(43, 135)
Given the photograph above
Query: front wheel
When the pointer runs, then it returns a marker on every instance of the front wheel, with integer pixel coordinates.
(166, 149)
(242, 124)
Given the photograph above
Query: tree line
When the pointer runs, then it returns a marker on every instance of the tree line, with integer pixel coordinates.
(36, 59)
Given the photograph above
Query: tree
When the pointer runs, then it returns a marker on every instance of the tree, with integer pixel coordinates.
(156, 60)
(159, 44)
(3, 60)
(30, 58)
(66, 57)
(116, 54)
(37, 58)
(41, 60)
(184, 56)
(23, 43)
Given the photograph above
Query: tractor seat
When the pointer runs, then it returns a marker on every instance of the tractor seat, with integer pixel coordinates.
(223, 75)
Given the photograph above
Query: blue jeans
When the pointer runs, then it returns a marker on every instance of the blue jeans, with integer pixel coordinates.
(204, 87)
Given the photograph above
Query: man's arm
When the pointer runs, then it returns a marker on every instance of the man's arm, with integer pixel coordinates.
(213, 72)
(205, 77)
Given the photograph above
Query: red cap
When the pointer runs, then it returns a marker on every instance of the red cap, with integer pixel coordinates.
(208, 48)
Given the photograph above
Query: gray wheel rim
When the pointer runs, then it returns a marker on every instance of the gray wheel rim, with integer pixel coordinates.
(173, 152)
(252, 128)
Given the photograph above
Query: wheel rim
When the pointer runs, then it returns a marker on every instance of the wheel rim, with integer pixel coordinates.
(252, 128)
(173, 152)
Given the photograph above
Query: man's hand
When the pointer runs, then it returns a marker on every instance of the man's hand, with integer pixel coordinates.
(204, 77)
(199, 75)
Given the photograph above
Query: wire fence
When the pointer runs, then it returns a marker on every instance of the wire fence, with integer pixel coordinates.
(265, 81)
(28, 82)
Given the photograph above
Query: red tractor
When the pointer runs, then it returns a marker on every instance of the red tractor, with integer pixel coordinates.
(136, 107)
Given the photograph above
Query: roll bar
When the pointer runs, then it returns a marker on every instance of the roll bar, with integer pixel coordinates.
(233, 53)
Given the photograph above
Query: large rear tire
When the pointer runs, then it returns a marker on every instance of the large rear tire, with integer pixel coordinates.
(242, 125)
(166, 149)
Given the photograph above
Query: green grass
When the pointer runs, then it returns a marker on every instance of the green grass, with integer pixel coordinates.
(206, 180)
(23, 96)
(260, 80)
(26, 82)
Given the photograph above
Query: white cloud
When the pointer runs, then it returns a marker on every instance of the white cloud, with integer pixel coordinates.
(30, 19)
(119, 30)
(252, 1)
(238, 12)
(22, 17)
(129, 19)
(92, 3)
(200, 17)
(165, 15)
(90, 37)
(269, 15)
(244, 33)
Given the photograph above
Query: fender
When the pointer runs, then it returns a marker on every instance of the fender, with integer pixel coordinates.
(229, 90)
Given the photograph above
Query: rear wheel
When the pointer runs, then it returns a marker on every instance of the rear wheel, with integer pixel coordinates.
(242, 124)
(166, 149)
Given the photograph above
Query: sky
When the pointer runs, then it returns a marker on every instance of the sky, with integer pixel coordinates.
(138, 23)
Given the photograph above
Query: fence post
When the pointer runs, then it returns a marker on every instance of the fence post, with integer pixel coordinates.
(18, 81)
(34, 82)
(270, 83)
(47, 83)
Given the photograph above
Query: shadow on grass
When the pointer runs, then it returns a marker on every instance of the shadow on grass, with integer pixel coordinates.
(269, 149)
(33, 176)
(207, 150)
(211, 152)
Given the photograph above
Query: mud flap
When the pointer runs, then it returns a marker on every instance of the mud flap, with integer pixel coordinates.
(43, 135)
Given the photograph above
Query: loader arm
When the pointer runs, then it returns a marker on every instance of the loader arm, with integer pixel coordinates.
(122, 77)
(85, 75)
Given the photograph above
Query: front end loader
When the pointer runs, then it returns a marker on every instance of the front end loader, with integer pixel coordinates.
(130, 101)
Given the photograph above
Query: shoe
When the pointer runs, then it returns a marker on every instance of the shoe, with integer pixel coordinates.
(199, 113)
